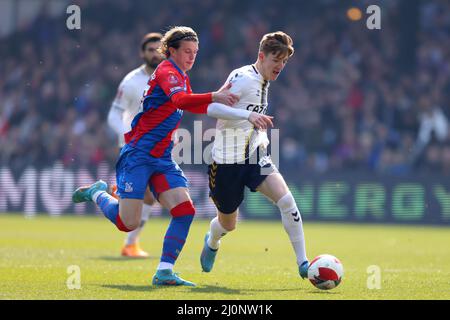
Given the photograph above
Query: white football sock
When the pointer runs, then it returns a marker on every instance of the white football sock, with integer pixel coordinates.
(96, 195)
(165, 265)
(292, 222)
(216, 232)
(132, 237)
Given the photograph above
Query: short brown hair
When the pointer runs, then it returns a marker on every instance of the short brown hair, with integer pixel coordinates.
(278, 43)
(173, 38)
(150, 37)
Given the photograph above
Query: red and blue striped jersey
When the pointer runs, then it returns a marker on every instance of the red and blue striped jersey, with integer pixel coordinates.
(169, 93)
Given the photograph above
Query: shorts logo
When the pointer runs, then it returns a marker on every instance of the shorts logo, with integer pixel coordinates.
(128, 187)
(265, 161)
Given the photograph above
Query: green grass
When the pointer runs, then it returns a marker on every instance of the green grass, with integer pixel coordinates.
(254, 262)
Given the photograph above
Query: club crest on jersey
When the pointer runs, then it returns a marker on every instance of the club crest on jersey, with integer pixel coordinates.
(172, 79)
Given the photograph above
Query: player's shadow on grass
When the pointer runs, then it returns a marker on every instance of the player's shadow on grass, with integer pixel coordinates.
(148, 288)
(323, 292)
(120, 258)
(128, 287)
(225, 290)
(274, 290)
(215, 289)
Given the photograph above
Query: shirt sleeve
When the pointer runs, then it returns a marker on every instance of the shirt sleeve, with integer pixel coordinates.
(115, 120)
(194, 102)
(124, 96)
(181, 94)
(237, 81)
(170, 82)
(120, 103)
(221, 111)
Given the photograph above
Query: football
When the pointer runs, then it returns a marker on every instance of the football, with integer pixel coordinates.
(325, 272)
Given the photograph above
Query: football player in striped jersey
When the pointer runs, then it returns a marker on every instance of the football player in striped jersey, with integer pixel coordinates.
(240, 157)
(123, 109)
(146, 158)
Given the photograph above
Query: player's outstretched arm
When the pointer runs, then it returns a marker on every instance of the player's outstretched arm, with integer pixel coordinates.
(221, 111)
(198, 103)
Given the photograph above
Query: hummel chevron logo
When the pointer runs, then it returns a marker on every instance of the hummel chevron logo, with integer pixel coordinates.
(296, 217)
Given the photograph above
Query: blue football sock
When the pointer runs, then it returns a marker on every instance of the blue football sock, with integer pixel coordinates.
(175, 238)
(110, 208)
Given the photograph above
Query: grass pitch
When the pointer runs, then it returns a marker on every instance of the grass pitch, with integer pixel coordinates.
(255, 261)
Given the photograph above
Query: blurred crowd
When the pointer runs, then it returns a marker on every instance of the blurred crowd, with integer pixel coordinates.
(349, 99)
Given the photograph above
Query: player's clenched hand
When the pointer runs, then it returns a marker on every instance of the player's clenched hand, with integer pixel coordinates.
(224, 96)
(260, 121)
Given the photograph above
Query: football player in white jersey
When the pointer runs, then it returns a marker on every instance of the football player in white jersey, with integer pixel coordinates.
(238, 158)
(123, 109)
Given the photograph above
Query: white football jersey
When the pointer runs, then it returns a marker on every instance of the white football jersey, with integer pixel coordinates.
(237, 140)
(129, 96)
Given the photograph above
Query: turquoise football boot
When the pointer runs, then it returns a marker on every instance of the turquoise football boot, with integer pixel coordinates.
(303, 269)
(208, 256)
(167, 277)
(83, 194)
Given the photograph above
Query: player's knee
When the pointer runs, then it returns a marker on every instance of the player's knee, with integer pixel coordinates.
(228, 222)
(134, 221)
(131, 224)
(130, 228)
(148, 198)
(183, 209)
(287, 203)
(126, 224)
(149, 201)
(231, 226)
